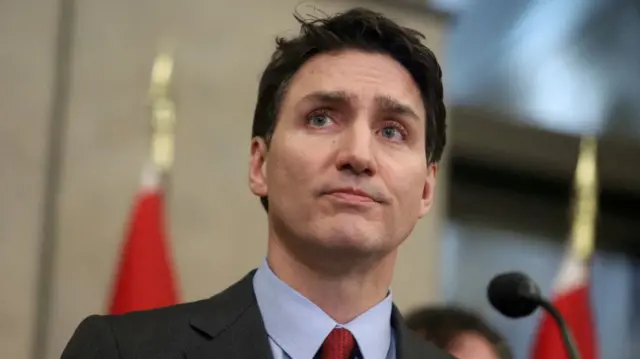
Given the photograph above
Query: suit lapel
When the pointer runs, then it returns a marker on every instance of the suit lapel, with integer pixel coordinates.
(231, 326)
(409, 345)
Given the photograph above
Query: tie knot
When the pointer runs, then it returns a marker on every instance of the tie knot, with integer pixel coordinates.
(339, 344)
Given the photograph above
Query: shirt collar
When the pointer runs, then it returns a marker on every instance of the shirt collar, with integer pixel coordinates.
(299, 327)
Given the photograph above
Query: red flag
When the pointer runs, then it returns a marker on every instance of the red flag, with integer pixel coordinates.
(571, 297)
(145, 277)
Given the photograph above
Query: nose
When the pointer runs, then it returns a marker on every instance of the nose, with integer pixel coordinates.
(355, 150)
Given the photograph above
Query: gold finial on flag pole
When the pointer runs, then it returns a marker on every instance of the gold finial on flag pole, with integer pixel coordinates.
(163, 114)
(586, 192)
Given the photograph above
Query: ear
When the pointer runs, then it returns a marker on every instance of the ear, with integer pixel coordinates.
(428, 192)
(258, 167)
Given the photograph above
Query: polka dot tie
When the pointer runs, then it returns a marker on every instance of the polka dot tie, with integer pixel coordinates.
(339, 344)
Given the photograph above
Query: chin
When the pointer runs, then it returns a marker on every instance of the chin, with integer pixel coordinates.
(350, 236)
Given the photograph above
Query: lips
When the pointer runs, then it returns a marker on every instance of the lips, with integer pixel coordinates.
(354, 195)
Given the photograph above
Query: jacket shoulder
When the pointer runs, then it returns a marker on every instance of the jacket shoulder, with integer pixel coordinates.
(141, 334)
(93, 338)
(163, 332)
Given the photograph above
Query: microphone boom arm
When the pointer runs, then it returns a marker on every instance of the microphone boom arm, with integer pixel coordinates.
(565, 331)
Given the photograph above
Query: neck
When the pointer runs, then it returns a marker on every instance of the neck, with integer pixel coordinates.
(343, 289)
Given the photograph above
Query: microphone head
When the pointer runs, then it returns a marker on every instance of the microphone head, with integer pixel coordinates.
(514, 294)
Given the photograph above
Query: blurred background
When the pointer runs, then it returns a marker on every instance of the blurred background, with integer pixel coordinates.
(525, 80)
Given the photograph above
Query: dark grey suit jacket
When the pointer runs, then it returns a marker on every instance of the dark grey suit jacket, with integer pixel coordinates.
(228, 325)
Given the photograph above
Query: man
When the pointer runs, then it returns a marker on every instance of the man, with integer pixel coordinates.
(463, 333)
(347, 133)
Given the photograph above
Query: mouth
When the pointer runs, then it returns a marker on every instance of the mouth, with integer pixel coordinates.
(351, 196)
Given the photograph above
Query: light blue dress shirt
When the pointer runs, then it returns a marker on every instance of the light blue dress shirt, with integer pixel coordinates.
(297, 328)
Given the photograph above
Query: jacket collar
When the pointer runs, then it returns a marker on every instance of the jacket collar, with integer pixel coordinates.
(232, 326)
(410, 345)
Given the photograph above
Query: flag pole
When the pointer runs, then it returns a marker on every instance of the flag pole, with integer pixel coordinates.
(145, 278)
(163, 113)
(585, 203)
(571, 293)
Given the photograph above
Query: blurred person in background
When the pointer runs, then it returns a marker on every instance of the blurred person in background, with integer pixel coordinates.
(463, 333)
(348, 131)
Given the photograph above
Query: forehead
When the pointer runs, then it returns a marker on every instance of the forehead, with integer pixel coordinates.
(363, 76)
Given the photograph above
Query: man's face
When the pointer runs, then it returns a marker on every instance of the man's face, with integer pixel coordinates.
(346, 166)
(472, 346)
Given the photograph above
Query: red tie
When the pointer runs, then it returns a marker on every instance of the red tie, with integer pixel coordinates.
(339, 344)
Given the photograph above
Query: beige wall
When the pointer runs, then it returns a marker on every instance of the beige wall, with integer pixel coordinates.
(217, 227)
(27, 43)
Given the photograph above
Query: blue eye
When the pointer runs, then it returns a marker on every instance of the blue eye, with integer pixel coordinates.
(389, 131)
(393, 132)
(319, 119)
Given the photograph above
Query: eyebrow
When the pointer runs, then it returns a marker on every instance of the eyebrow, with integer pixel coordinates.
(393, 106)
(330, 97)
(384, 103)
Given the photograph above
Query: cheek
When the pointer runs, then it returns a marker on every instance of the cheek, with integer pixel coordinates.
(408, 184)
(290, 164)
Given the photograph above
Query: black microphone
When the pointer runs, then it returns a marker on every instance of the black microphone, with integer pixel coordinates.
(515, 295)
